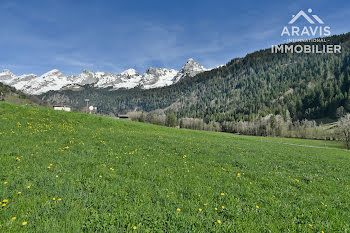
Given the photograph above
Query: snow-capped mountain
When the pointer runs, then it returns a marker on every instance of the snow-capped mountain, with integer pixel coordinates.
(157, 77)
(55, 80)
(191, 68)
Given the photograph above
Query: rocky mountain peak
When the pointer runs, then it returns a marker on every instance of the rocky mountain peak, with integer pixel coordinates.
(130, 78)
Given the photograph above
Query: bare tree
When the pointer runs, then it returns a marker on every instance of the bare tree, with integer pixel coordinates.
(344, 129)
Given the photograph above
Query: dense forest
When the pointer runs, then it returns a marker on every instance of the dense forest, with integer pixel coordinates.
(302, 86)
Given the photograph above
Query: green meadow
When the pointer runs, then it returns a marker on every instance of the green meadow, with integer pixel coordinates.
(73, 172)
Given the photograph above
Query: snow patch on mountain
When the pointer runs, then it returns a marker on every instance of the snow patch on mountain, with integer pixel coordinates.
(157, 77)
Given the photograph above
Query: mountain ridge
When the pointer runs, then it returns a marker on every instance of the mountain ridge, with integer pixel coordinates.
(54, 80)
(299, 86)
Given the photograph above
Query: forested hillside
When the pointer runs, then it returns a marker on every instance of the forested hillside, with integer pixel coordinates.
(308, 86)
(10, 94)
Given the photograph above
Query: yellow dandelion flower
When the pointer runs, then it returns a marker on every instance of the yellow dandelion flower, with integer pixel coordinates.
(250, 182)
(56, 176)
(200, 210)
(222, 194)
(6, 182)
(28, 187)
(100, 176)
(19, 192)
(178, 209)
(4, 205)
(6, 201)
(297, 180)
(223, 207)
(310, 225)
(59, 199)
(112, 169)
(238, 175)
(54, 198)
(219, 221)
(24, 223)
(13, 218)
(134, 227)
(257, 207)
(215, 208)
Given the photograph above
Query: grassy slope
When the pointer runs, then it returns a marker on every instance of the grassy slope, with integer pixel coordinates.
(114, 174)
(10, 94)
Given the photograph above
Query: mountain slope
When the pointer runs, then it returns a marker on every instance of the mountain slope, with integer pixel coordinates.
(301, 85)
(54, 80)
(10, 94)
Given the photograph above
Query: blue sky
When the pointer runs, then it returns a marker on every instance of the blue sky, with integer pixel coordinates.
(37, 36)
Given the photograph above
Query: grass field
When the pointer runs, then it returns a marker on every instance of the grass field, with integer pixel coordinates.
(72, 172)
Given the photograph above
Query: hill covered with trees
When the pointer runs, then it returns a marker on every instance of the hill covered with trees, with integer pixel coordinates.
(299, 86)
(10, 94)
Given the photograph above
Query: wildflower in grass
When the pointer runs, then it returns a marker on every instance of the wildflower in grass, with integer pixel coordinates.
(13, 218)
(222, 194)
(28, 187)
(324, 204)
(223, 207)
(250, 182)
(215, 208)
(257, 207)
(99, 176)
(134, 227)
(19, 193)
(178, 209)
(3, 205)
(6, 182)
(219, 221)
(310, 225)
(5, 201)
(238, 175)
(67, 147)
(18, 159)
(54, 198)
(297, 180)
(56, 176)
(200, 210)
(112, 169)
(24, 223)
(59, 199)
